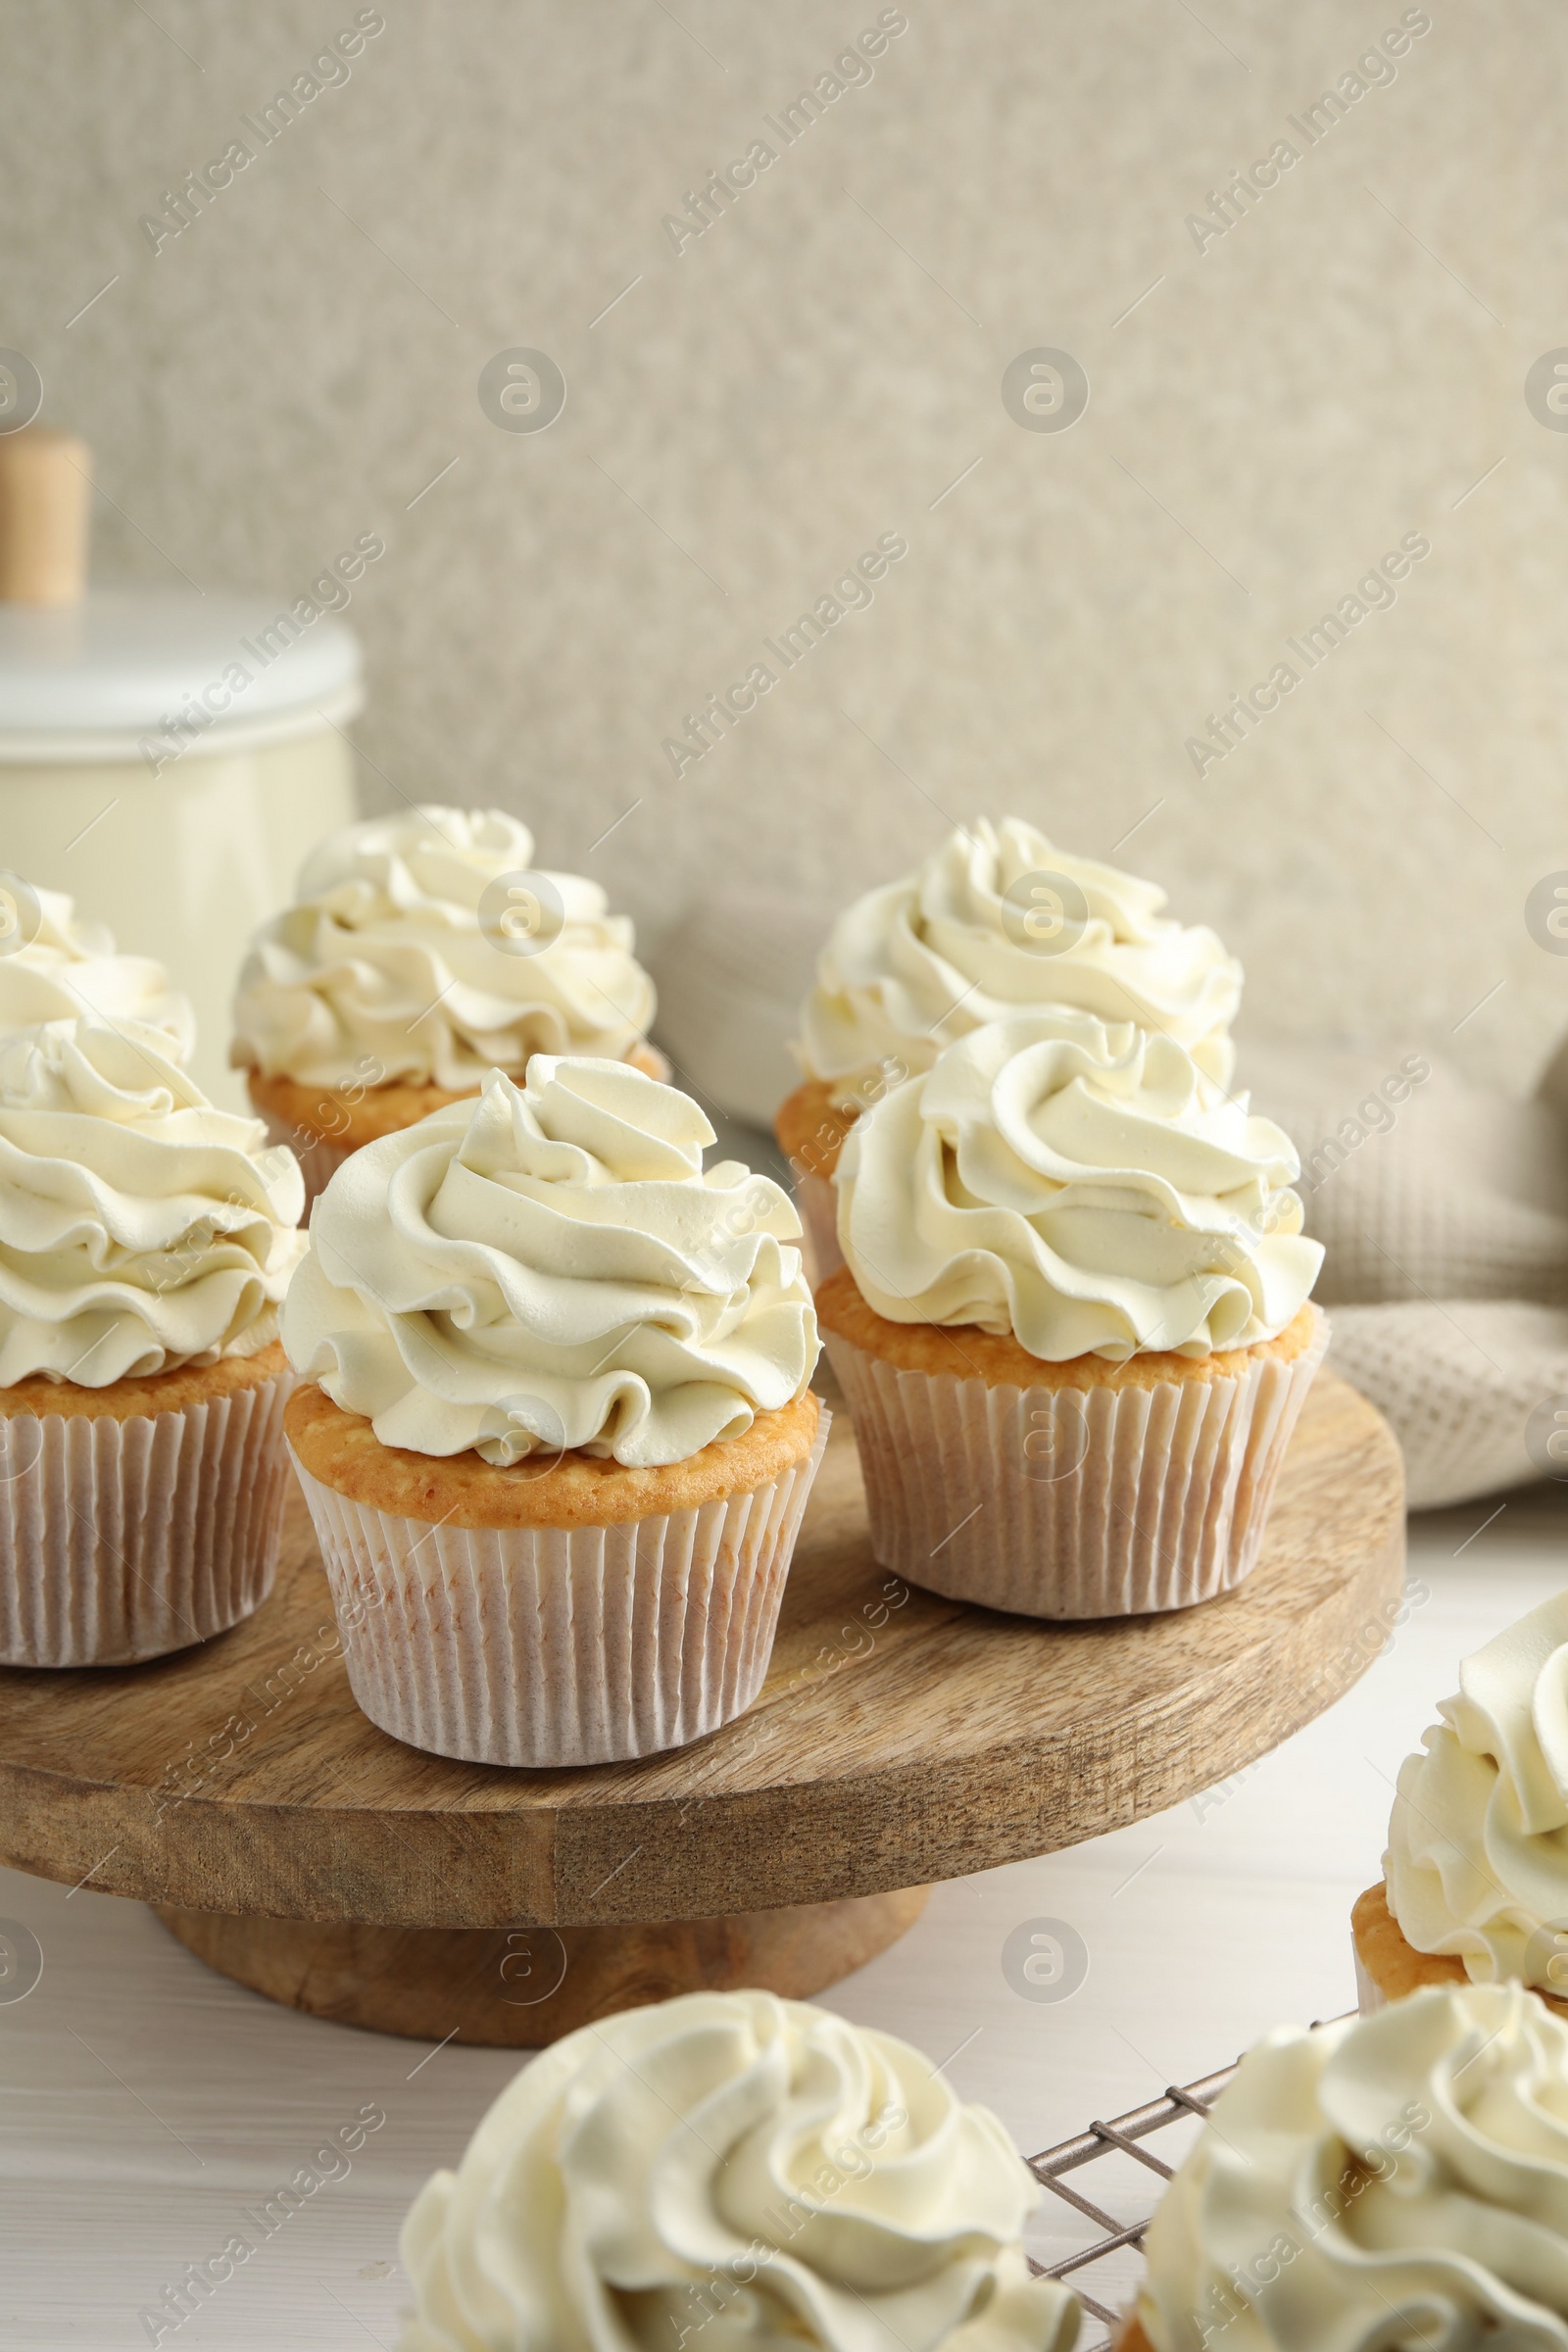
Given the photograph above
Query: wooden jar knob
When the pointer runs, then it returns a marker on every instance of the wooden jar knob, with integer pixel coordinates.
(45, 480)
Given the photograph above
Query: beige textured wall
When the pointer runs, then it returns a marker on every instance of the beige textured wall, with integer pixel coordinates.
(1336, 370)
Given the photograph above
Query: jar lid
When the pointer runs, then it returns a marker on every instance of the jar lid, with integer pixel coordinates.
(153, 674)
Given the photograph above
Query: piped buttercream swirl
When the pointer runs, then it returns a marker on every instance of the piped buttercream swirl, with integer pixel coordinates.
(736, 2171)
(1477, 1863)
(1078, 1185)
(552, 1267)
(1396, 2180)
(140, 1228)
(425, 946)
(55, 967)
(997, 921)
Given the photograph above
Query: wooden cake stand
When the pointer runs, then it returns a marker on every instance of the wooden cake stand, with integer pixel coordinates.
(900, 1737)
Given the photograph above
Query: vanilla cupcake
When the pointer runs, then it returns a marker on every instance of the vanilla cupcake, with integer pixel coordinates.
(1476, 1874)
(1073, 1325)
(558, 1435)
(55, 969)
(146, 1240)
(423, 950)
(736, 2162)
(996, 921)
(1396, 2180)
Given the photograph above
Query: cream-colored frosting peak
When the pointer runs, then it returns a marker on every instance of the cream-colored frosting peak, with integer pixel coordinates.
(140, 1228)
(998, 921)
(1478, 1841)
(735, 2172)
(1399, 2181)
(394, 956)
(61, 969)
(1080, 1186)
(551, 1267)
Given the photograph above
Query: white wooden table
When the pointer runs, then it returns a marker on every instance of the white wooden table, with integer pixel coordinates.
(144, 2101)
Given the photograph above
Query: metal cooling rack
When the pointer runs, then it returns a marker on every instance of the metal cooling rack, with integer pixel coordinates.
(1122, 2137)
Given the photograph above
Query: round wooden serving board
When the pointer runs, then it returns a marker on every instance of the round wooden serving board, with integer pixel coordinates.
(900, 1737)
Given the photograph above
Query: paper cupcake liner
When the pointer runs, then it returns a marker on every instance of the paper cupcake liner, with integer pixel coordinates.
(124, 1539)
(541, 1646)
(1065, 1502)
(319, 1160)
(819, 1203)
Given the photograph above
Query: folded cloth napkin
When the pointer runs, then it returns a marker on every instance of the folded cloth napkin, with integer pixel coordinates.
(1442, 1206)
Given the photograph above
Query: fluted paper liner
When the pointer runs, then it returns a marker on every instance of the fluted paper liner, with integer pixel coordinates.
(561, 1646)
(817, 1198)
(125, 1540)
(1066, 1502)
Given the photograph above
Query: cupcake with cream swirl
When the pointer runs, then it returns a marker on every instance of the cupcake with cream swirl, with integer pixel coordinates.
(1476, 1874)
(997, 921)
(731, 2163)
(1399, 2181)
(146, 1243)
(1071, 1275)
(558, 1435)
(422, 951)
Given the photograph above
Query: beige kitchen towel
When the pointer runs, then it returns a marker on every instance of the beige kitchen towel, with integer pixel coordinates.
(1442, 1206)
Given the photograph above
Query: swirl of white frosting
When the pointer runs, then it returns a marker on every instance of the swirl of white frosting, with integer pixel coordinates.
(140, 1228)
(912, 966)
(388, 956)
(552, 1267)
(61, 969)
(1079, 1186)
(1396, 2181)
(733, 2171)
(1478, 1839)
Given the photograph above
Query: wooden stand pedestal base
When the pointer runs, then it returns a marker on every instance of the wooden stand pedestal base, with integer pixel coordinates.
(900, 1737)
(519, 1987)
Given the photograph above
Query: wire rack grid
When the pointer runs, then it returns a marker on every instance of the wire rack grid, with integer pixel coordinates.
(1181, 2103)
